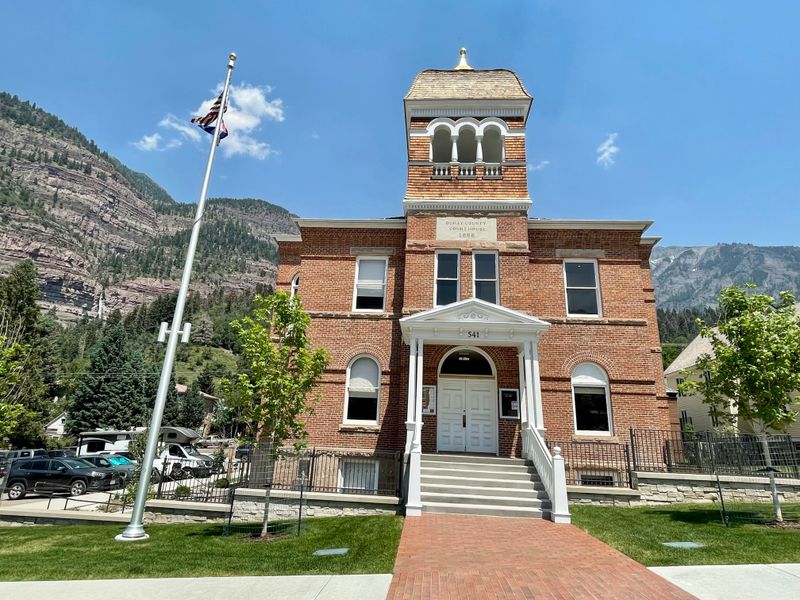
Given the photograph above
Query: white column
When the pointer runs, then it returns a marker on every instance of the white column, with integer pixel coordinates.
(523, 406)
(414, 501)
(537, 389)
(454, 152)
(412, 394)
(529, 397)
(417, 445)
(479, 151)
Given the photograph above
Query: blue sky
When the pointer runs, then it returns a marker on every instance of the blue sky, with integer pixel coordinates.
(696, 102)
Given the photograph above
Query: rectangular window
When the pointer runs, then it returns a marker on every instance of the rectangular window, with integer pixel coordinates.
(484, 269)
(591, 410)
(678, 383)
(370, 288)
(583, 292)
(447, 278)
(358, 476)
(509, 403)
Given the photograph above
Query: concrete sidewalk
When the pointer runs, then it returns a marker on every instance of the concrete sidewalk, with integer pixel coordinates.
(300, 587)
(734, 582)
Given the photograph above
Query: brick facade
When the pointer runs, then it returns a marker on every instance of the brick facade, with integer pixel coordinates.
(623, 340)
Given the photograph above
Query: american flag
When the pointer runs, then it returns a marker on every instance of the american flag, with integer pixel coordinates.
(211, 116)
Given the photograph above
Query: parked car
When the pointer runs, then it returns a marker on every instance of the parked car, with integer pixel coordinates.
(61, 453)
(65, 475)
(212, 440)
(243, 452)
(123, 453)
(25, 453)
(190, 459)
(119, 464)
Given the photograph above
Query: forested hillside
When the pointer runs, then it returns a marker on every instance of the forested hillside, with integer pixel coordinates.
(96, 228)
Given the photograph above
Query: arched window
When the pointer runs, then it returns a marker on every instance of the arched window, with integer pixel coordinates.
(492, 145)
(442, 146)
(466, 362)
(467, 145)
(363, 391)
(295, 286)
(591, 400)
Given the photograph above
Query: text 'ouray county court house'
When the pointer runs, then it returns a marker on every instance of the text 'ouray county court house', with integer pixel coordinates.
(468, 325)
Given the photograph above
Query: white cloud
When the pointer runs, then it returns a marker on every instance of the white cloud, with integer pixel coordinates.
(248, 108)
(607, 150)
(152, 143)
(185, 128)
(538, 166)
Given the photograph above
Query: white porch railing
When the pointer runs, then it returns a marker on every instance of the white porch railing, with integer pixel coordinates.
(467, 171)
(551, 471)
(492, 171)
(441, 171)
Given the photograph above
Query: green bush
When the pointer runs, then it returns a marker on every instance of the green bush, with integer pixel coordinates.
(221, 483)
(183, 491)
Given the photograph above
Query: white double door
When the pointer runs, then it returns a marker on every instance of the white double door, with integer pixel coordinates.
(466, 418)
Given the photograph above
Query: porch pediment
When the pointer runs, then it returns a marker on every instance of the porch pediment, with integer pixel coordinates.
(473, 321)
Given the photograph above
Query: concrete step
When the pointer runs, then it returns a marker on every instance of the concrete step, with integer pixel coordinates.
(466, 490)
(479, 509)
(479, 466)
(471, 458)
(525, 474)
(515, 501)
(496, 482)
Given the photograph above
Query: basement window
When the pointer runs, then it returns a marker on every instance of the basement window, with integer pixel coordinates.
(358, 476)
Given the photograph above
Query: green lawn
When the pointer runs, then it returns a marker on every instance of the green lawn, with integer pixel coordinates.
(639, 532)
(90, 552)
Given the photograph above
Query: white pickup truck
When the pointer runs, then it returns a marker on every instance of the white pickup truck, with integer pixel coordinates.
(177, 458)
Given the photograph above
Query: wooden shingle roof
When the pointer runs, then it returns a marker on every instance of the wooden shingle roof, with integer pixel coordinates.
(492, 84)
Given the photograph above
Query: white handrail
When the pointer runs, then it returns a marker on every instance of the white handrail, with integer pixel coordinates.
(550, 468)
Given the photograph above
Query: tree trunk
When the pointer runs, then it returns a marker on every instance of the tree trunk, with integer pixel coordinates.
(776, 502)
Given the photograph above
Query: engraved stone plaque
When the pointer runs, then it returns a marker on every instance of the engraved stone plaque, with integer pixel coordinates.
(479, 229)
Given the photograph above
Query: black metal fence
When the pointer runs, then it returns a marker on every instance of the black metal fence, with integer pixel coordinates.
(313, 469)
(595, 463)
(711, 452)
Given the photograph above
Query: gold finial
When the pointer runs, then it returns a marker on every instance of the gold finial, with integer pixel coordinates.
(462, 62)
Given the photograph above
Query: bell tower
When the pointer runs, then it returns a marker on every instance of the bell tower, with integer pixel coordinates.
(466, 140)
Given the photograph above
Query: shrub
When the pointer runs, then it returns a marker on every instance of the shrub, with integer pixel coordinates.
(183, 491)
(221, 483)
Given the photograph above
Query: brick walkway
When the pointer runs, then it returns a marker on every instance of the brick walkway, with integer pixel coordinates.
(462, 557)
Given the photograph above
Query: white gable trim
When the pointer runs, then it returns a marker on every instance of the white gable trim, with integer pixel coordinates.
(473, 322)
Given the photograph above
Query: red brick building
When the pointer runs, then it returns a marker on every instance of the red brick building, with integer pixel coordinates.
(468, 325)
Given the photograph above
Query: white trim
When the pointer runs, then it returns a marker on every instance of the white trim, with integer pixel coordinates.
(500, 404)
(436, 274)
(353, 223)
(345, 420)
(496, 274)
(609, 416)
(589, 224)
(343, 461)
(454, 204)
(597, 294)
(385, 260)
(287, 237)
(649, 240)
(295, 286)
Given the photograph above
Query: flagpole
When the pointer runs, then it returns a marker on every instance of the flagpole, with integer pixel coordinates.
(135, 529)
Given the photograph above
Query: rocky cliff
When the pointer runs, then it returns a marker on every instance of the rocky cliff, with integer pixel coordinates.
(693, 276)
(96, 228)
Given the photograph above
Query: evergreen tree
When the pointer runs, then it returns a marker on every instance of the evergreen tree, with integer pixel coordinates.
(19, 294)
(192, 408)
(203, 330)
(114, 392)
(205, 381)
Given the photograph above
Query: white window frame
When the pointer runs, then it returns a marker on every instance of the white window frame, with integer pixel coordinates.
(607, 390)
(496, 273)
(678, 382)
(376, 466)
(295, 286)
(457, 253)
(593, 262)
(345, 420)
(385, 283)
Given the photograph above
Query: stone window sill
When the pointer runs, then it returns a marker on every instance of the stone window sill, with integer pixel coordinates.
(352, 428)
